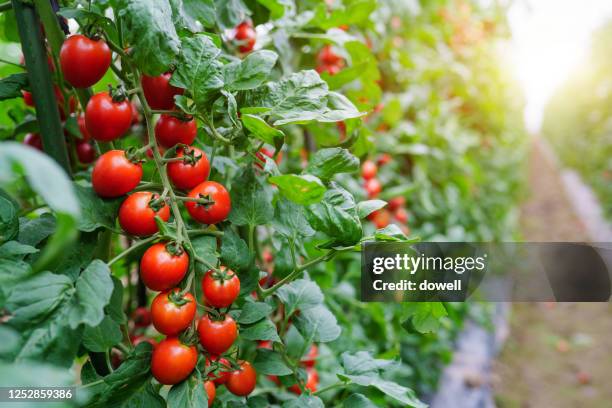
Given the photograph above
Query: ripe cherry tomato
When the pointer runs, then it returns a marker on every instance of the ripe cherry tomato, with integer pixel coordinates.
(186, 176)
(170, 130)
(85, 152)
(368, 170)
(211, 391)
(384, 158)
(396, 202)
(327, 56)
(114, 175)
(220, 289)
(83, 128)
(401, 215)
(264, 344)
(33, 140)
(330, 69)
(135, 113)
(171, 313)
(380, 218)
(106, 120)
(222, 373)
(161, 270)
(141, 317)
(214, 212)
(84, 61)
(27, 98)
(243, 380)
(173, 361)
(158, 91)
(216, 336)
(246, 36)
(310, 358)
(373, 187)
(312, 381)
(136, 215)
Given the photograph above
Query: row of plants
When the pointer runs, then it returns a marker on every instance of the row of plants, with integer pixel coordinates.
(212, 170)
(577, 119)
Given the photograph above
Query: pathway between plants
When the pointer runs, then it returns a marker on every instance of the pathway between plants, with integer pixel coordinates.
(557, 355)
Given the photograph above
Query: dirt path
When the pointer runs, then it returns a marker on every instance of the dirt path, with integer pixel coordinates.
(557, 355)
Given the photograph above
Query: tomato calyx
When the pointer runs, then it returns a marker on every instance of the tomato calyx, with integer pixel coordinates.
(174, 248)
(157, 203)
(117, 94)
(178, 298)
(189, 337)
(222, 274)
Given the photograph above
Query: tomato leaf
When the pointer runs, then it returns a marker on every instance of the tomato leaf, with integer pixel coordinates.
(326, 163)
(235, 252)
(201, 10)
(358, 401)
(188, 393)
(304, 401)
(231, 12)
(301, 294)
(93, 292)
(206, 248)
(251, 72)
(362, 362)
(114, 309)
(302, 189)
(11, 86)
(365, 208)
(16, 249)
(9, 219)
(352, 12)
(34, 231)
(270, 362)
(95, 212)
(103, 336)
(262, 130)
(253, 312)
(251, 202)
(317, 324)
(423, 317)
(149, 29)
(390, 388)
(262, 330)
(290, 220)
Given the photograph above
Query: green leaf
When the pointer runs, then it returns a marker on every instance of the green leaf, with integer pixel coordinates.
(390, 233)
(149, 29)
(390, 388)
(115, 304)
(96, 212)
(261, 130)
(338, 108)
(103, 336)
(336, 216)
(304, 401)
(290, 220)
(15, 249)
(34, 231)
(424, 317)
(230, 13)
(201, 10)
(9, 219)
(270, 362)
(358, 401)
(235, 252)
(93, 292)
(253, 312)
(206, 248)
(276, 7)
(34, 374)
(302, 189)
(251, 202)
(43, 174)
(262, 330)
(326, 163)
(352, 12)
(199, 70)
(11, 340)
(301, 294)
(317, 324)
(250, 72)
(365, 208)
(362, 362)
(11, 86)
(188, 394)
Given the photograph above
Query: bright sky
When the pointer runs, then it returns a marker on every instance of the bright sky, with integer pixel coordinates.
(550, 38)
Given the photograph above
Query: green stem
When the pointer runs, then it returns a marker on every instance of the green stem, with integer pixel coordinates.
(204, 231)
(6, 6)
(91, 384)
(132, 248)
(329, 387)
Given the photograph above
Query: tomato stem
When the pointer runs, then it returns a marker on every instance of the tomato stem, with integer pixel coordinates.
(132, 248)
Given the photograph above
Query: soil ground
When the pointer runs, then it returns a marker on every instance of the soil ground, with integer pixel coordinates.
(557, 355)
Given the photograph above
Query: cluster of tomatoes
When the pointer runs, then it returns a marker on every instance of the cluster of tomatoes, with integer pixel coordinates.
(245, 37)
(329, 61)
(396, 208)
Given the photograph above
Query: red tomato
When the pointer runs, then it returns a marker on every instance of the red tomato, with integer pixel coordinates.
(173, 361)
(85, 152)
(310, 358)
(242, 381)
(136, 217)
(396, 202)
(327, 56)
(267, 152)
(209, 213)
(264, 344)
(368, 170)
(106, 120)
(246, 36)
(330, 69)
(135, 113)
(220, 290)
(373, 187)
(33, 140)
(384, 158)
(217, 336)
(114, 175)
(83, 128)
(211, 391)
(170, 317)
(27, 98)
(380, 218)
(222, 373)
(72, 103)
(161, 270)
(401, 215)
(158, 91)
(170, 130)
(84, 61)
(186, 176)
(141, 317)
(312, 381)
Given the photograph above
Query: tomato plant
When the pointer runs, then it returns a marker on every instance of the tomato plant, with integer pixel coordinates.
(187, 230)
